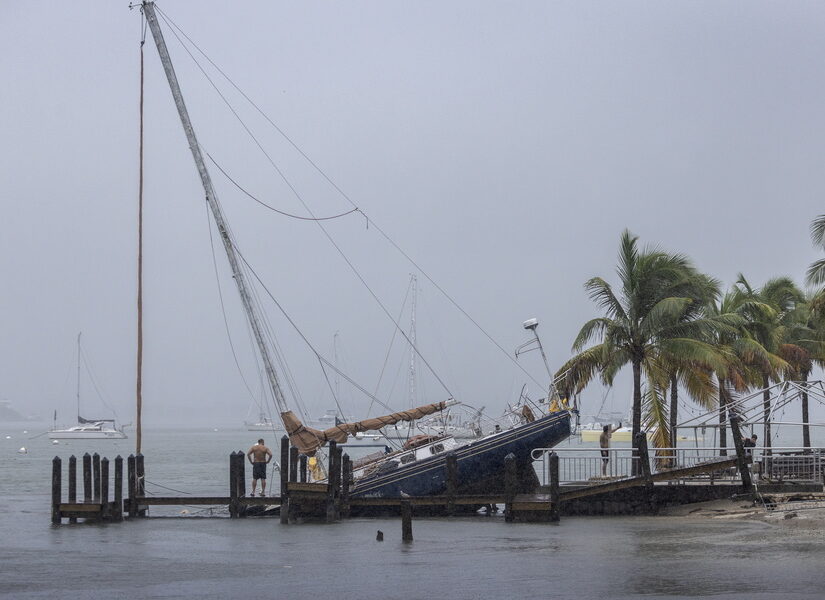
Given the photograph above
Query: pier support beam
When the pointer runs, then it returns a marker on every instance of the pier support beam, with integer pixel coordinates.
(284, 472)
(57, 490)
(131, 486)
(104, 488)
(302, 468)
(117, 513)
(140, 479)
(555, 496)
(72, 484)
(87, 478)
(95, 478)
(233, 485)
(406, 521)
(334, 483)
(346, 485)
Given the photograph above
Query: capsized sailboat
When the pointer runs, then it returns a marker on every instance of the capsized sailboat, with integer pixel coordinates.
(417, 469)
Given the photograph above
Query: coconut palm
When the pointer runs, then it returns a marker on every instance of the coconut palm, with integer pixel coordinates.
(643, 324)
(816, 272)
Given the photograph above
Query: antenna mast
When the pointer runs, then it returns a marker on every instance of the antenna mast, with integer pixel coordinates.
(212, 200)
(413, 282)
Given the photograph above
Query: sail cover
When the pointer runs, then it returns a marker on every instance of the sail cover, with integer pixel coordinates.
(308, 440)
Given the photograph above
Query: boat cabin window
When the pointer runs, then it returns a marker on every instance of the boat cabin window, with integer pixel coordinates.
(408, 458)
(436, 448)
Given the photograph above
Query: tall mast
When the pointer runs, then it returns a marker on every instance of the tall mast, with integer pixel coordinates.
(212, 200)
(413, 282)
(78, 376)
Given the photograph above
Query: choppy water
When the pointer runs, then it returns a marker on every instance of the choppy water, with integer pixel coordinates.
(651, 557)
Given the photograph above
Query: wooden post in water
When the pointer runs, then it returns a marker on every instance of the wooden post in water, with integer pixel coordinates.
(451, 467)
(644, 469)
(131, 486)
(117, 513)
(554, 487)
(87, 478)
(104, 488)
(346, 485)
(333, 480)
(302, 468)
(72, 484)
(284, 480)
(742, 459)
(233, 485)
(96, 478)
(293, 464)
(406, 521)
(140, 481)
(510, 483)
(57, 490)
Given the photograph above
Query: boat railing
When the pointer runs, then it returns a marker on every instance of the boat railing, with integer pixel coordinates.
(588, 466)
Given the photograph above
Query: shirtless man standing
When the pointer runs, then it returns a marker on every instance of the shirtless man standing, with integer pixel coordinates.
(259, 455)
(604, 444)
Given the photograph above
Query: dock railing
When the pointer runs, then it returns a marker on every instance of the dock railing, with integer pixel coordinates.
(588, 466)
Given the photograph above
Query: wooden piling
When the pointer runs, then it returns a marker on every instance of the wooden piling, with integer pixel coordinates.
(72, 484)
(555, 496)
(741, 458)
(284, 472)
(140, 481)
(451, 467)
(57, 490)
(96, 478)
(333, 480)
(104, 487)
(406, 521)
(346, 485)
(87, 478)
(510, 484)
(233, 485)
(117, 513)
(131, 486)
(293, 464)
(302, 468)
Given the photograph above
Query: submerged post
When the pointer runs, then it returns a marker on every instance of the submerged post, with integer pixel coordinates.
(742, 459)
(131, 485)
(87, 478)
(117, 513)
(406, 521)
(451, 467)
(510, 482)
(72, 484)
(96, 478)
(56, 489)
(104, 487)
(284, 472)
(554, 487)
(346, 485)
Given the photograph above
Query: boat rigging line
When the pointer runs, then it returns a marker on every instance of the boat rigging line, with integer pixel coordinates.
(175, 30)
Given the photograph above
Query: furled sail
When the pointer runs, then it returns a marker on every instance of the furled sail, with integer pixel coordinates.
(308, 440)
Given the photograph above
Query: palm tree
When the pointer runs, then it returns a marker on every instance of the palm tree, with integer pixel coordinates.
(816, 272)
(642, 325)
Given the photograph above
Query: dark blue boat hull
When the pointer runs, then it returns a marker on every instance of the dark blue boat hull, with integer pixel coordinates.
(480, 463)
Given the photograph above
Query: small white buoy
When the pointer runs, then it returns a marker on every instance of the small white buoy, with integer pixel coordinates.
(214, 430)
(25, 431)
(23, 450)
(55, 442)
(8, 437)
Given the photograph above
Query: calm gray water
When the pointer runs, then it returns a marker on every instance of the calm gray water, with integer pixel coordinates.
(650, 557)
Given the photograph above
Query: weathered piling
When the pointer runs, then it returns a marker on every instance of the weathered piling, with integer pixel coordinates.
(302, 468)
(131, 486)
(334, 481)
(140, 480)
(293, 464)
(284, 480)
(406, 521)
(346, 485)
(451, 467)
(96, 478)
(510, 484)
(742, 459)
(72, 484)
(117, 512)
(57, 490)
(87, 478)
(104, 487)
(233, 485)
(555, 496)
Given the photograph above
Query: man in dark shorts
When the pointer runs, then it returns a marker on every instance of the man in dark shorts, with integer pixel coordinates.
(259, 455)
(604, 444)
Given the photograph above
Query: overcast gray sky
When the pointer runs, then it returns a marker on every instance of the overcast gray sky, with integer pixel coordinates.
(503, 145)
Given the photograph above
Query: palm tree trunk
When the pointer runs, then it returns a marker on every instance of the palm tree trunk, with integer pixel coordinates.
(723, 418)
(806, 432)
(766, 404)
(674, 409)
(637, 409)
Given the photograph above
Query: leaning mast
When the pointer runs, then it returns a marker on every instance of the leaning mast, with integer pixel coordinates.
(211, 199)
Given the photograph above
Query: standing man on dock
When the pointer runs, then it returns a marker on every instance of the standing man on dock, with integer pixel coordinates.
(604, 444)
(259, 455)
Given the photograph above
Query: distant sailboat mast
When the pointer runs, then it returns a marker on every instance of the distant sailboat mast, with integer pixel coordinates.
(77, 393)
(211, 199)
